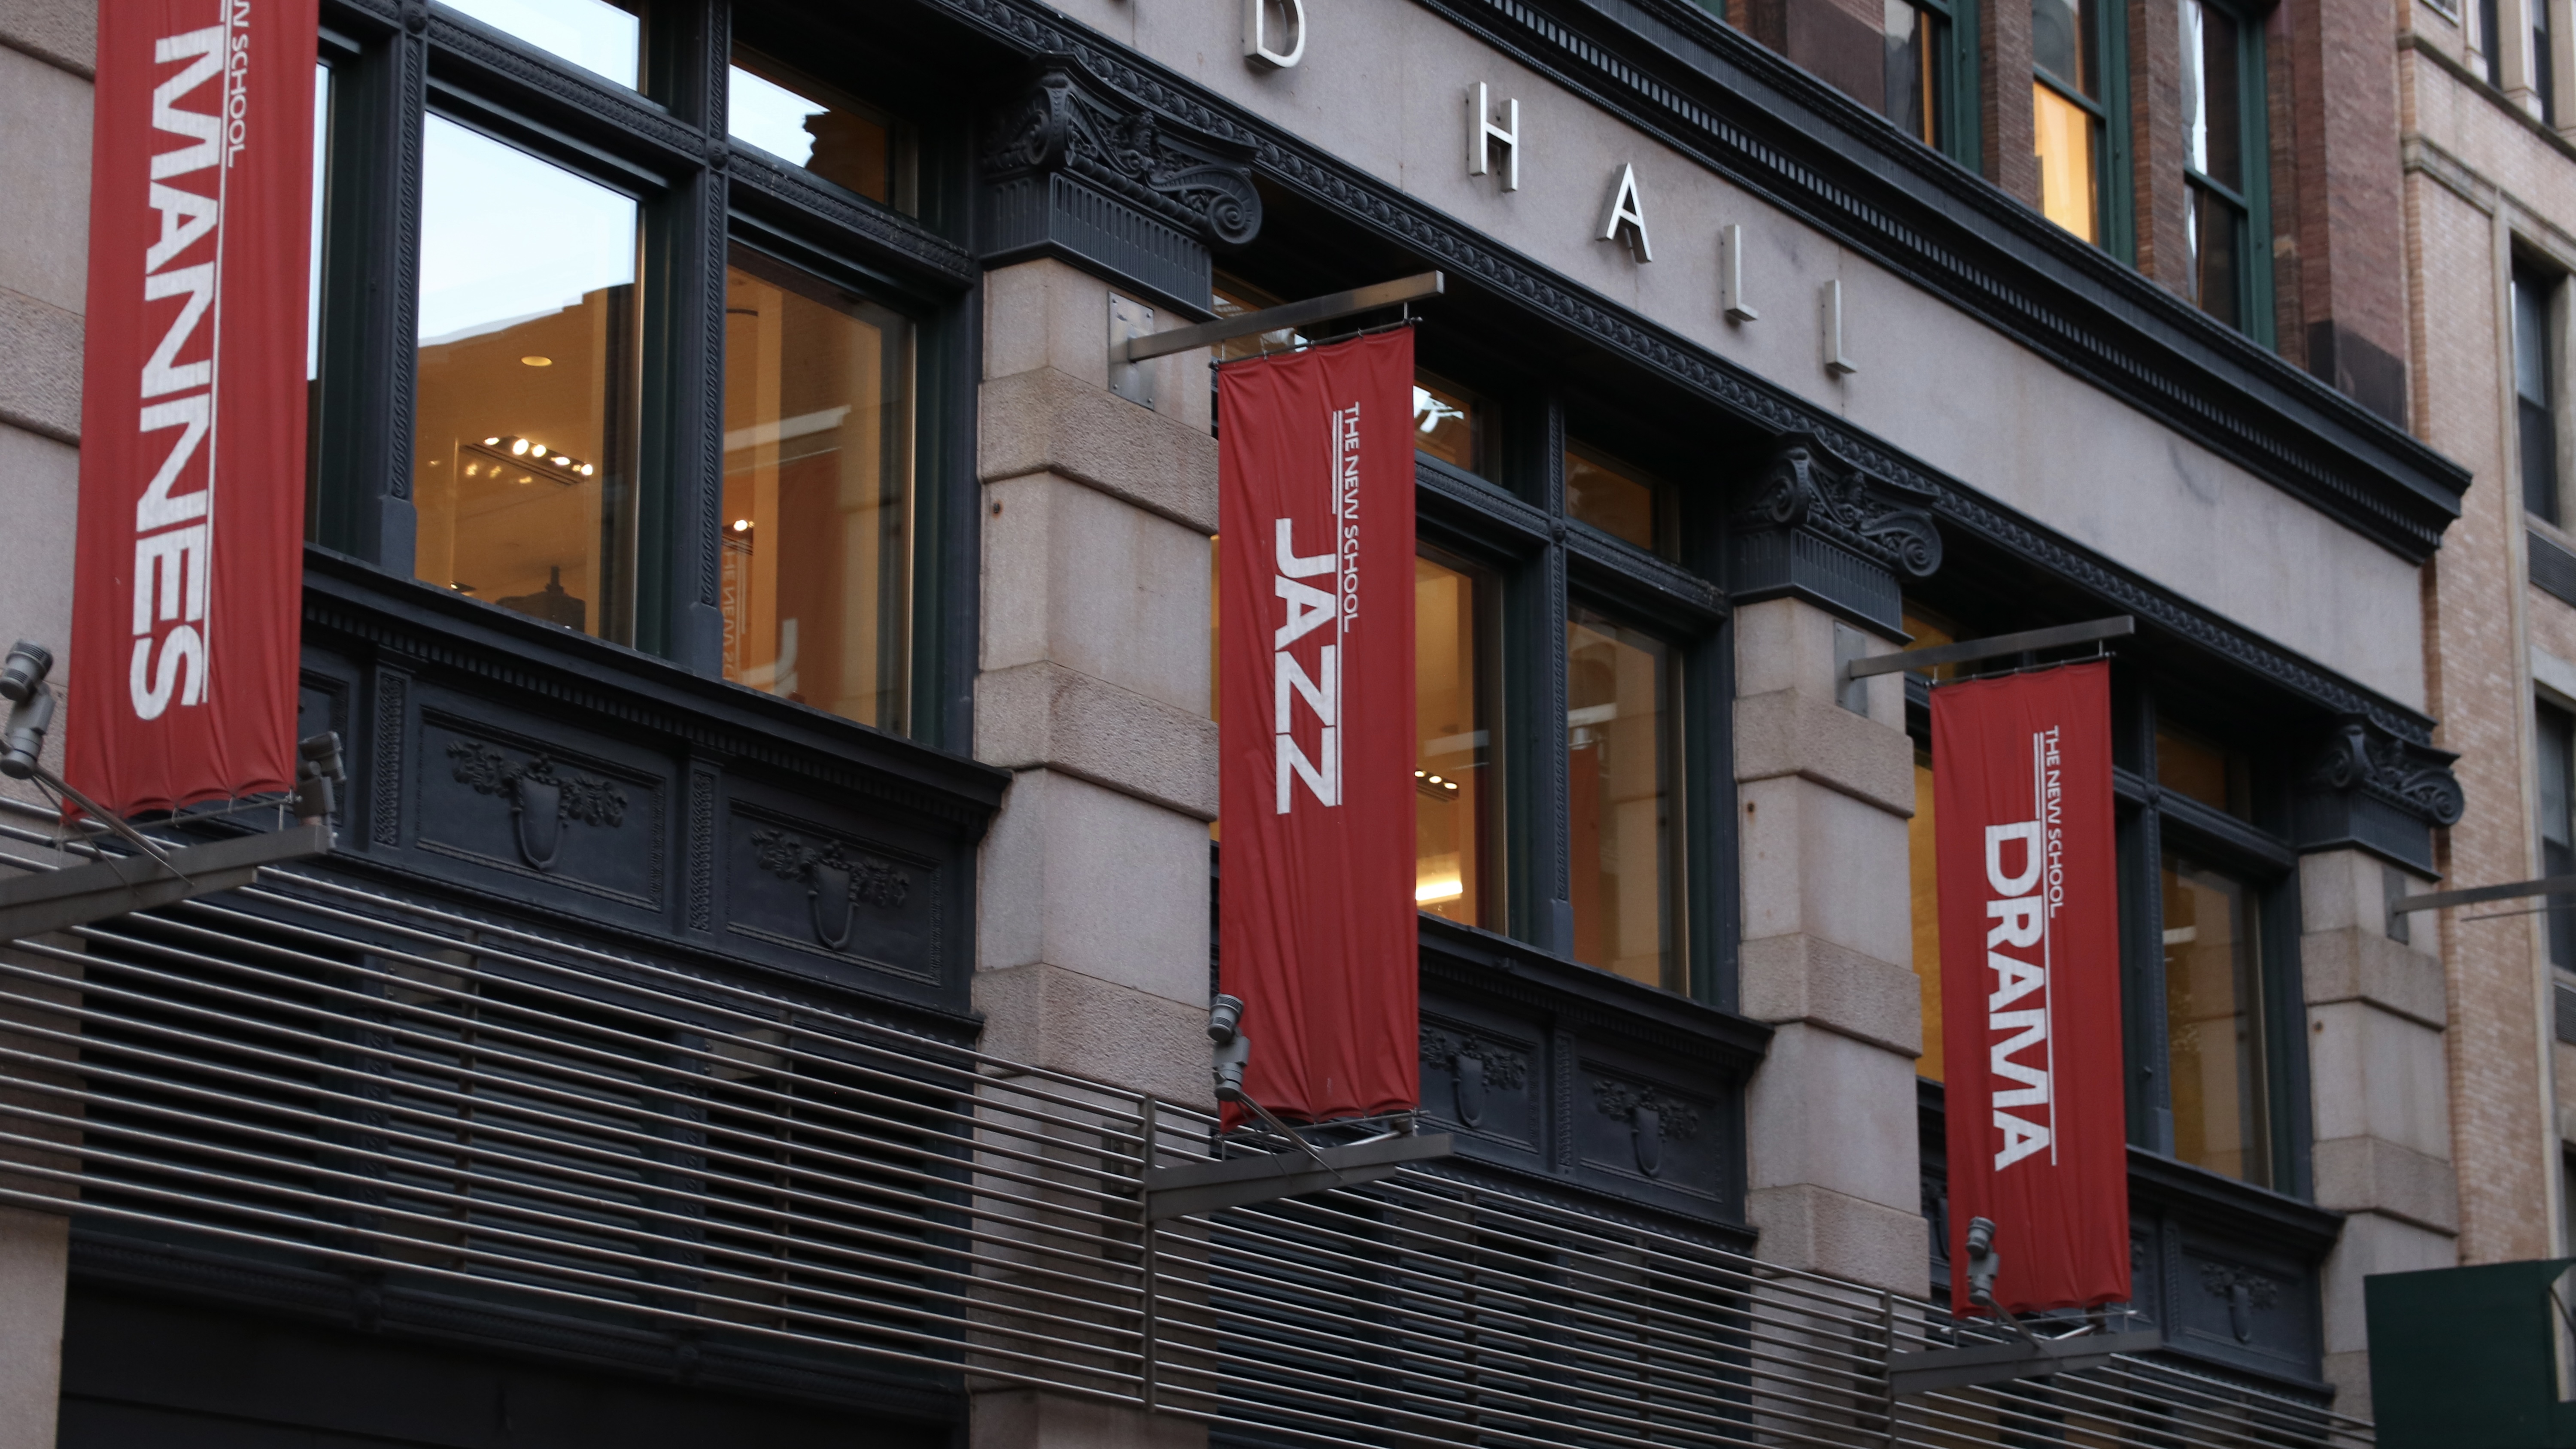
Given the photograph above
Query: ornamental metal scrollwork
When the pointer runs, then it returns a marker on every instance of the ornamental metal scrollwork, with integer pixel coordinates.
(542, 796)
(1808, 485)
(2415, 778)
(1652, 1115)
(1474, 1064)
(836, 882)
(1198, 184)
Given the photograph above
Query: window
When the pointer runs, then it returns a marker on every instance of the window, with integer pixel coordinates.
(1454, 609)
(1621, 501)
(610, 407)
(2224, 165)
(2543, 64)
(2067, 101)
(1449, 423)
(1931, 53)
(1619, 797)
(836, 137)
(524, 422)
(2214, 1026)
(2535, 389)
(2554, 771)
(1922, 859)
(816, 578)
(2491, 42)
(2198, 769)
(600, 36)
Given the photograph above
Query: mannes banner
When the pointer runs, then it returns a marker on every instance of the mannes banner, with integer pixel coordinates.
(186, 598)
(1315, 724)
(2030, 984)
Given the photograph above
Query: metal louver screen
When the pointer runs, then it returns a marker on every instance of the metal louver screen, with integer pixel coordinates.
(307, 1072)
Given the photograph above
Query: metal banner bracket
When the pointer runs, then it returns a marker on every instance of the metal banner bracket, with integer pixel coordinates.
(58, 900)
(2028, 641)
(1130, 344)
(1205, 1187)
(2024, 1358)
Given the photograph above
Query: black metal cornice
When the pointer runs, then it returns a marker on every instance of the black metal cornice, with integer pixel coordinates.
(1032, 28)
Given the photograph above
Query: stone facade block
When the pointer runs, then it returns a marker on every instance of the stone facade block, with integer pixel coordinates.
(1789, 733)
(44, 171)
(1095, 881)
(1068, 1021)
(1817, 1230)
(2357, 1174)
(1046, 714)
(1837, 1114)
(2378, 1076)
(1048, 421)
(1801, 978)
(1819, 862)
(1048, 314)
(40, 367)
(62, 31)
(1075, 577)
(36, 514)
(2364, 965)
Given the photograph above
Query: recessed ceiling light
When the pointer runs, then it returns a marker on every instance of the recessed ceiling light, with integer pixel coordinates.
(534, 361)
(742, 525)
(491, 442)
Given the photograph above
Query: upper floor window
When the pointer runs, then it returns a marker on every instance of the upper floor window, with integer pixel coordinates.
(1622, 501)
(1930, 82)
(1449, 422)
(2224, 170)
(523, 422)
(2068, 112)
(617, 418)
(2537, 360)
(2554, 769)
(604, 37)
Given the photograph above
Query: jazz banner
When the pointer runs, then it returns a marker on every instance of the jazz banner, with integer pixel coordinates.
(188, 571)
(2030, 984)
(1315, 926)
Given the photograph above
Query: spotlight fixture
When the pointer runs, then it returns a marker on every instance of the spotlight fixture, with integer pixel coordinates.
(742, 525)
(533, 459)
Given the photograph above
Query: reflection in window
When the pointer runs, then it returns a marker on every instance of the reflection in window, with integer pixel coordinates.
(1610, 496)
(2214, 212)
(2554, 751)
(841, 139)
(2212, 774)
(523, 436)
(1923, 872)
(2535, 391)
(2214, 1023)
(816, 581)
(1453, 774)
(601, 36)
(313, 303)
(1234, 298)
(1619, 790)
(2066, 114)
(1448, 422)
(1913, 70)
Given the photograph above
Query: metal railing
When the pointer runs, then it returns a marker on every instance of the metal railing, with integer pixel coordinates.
(311, 1071)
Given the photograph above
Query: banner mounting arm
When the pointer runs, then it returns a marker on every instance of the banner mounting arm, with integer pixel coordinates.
(1278, 319)
(1992, 647)
(2548, 885)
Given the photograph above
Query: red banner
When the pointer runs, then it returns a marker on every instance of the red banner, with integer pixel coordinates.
(1315, 923)
(187, 584)
(2030, 984)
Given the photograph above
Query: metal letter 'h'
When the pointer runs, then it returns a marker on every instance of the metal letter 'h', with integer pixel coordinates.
(1483, 134)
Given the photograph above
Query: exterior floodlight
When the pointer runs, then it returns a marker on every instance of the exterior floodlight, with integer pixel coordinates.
(24, 671)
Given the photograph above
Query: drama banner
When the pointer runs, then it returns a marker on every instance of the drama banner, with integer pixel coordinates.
(2030, 984)
(188, 569)
(1315, 723)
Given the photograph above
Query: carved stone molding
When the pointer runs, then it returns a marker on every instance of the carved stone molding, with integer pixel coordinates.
(1475, 1063)
(2364, 786)
(1652, 1117)
(1070, 167)
(2244, 1293)
(1814, 520)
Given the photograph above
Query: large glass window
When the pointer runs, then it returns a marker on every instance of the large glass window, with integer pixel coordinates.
(2554, 766)
(1449, 422)
(2535, 389)
(1923, 872)
(2214, 1029)
(816, 580)
(1453, 776)
(601, 36)
(835, 136)
(524, 423)
(1927, 73)
(2067, 113)
(1620, 798)
(1622, 501)
(2197, 768)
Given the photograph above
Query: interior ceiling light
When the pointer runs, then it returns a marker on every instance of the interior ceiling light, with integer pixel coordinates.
(535, 457)
(535, 361)
(742, 525)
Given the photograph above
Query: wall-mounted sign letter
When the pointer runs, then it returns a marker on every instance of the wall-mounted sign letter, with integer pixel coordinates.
(1483, 136)
(1626, 219)
(1730, 275)
(1274, 33)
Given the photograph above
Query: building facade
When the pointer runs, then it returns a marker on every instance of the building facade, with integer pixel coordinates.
(771, 637)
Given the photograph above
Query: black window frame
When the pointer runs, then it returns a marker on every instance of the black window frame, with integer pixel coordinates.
(2538, 294)
(2114, 209)
(1952, 107)
(699, 192)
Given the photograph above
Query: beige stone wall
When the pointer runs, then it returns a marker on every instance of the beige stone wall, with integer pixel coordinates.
(2483, 180)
